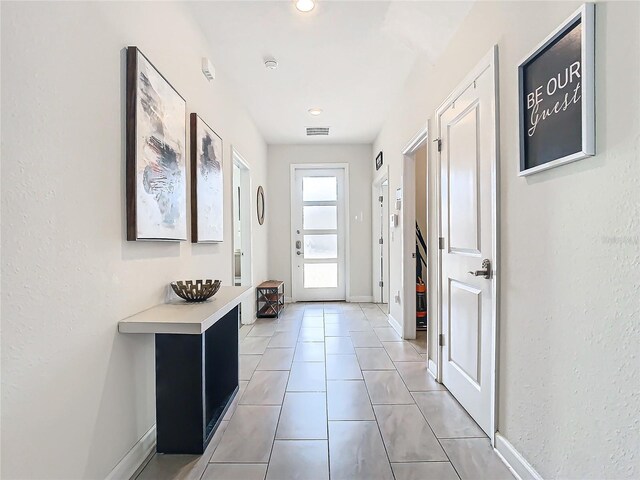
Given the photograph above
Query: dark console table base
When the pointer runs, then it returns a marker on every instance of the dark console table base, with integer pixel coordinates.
(196, 381)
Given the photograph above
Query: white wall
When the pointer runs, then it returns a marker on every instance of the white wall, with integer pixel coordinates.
(76, 395)
(279, 208)
(569, 310)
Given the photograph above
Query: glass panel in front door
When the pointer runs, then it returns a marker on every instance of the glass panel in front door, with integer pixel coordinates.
(324, 217)
(321, 246)
(320, 231)
(319, 189)
(320, 275)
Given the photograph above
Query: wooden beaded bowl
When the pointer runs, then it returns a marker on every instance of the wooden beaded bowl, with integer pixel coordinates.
(196, 290)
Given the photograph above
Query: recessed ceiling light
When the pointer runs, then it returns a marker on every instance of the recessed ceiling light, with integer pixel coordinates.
(305, 5)
(315, 111)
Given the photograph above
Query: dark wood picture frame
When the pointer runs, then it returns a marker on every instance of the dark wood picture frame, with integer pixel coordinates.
(131, 149)
(195, 150)
(379, 161)
(579, 141)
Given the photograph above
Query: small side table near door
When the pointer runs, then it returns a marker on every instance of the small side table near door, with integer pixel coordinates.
(269, 299)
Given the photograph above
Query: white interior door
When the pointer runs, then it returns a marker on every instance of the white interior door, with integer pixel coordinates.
(242, 251)
(318, 223)
(467, 130)
(384, 245)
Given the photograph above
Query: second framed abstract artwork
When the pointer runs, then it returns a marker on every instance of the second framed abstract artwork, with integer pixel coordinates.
(207, 186)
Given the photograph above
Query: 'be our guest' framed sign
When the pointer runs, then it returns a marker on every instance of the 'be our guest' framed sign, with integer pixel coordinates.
(556, 85)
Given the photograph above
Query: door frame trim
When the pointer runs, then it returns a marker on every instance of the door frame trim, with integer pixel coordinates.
(376, 184)
(408, 215)
(488, 62)
(347, 263)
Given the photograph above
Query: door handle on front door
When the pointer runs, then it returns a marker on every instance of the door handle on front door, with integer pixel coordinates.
(486, 269)
(298, 252)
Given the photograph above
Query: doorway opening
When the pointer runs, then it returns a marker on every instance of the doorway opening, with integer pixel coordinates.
(319, 232)
(423, 263)
(411, 202)
(242, 264)
(380, 238)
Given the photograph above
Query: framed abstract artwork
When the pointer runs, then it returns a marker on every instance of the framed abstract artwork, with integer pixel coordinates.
(207, 187)
(556, 85)
(156, 154)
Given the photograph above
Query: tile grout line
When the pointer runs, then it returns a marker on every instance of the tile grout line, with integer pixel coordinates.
(386, 451)
(425, 418)
(326, 395)
(284, 396)
(434, 433)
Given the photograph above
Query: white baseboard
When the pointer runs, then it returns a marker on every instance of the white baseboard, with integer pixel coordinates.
(396, 326)
(360, 299)
(135, 458)
(432, 368)
(514, 460)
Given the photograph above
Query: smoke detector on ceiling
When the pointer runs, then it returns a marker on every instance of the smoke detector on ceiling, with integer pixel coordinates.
(208, 69)
(270, 63)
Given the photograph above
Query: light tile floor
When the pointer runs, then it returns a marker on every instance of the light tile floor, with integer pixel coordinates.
(331, 391)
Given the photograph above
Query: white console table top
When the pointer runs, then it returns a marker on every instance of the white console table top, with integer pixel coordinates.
(185, 318)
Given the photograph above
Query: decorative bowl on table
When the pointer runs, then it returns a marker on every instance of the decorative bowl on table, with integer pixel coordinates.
(196, 290)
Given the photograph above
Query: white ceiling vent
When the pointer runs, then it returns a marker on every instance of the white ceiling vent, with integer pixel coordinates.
(314, 131)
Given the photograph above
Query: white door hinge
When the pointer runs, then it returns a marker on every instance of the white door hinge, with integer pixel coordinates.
(441, 340)
(441, 243)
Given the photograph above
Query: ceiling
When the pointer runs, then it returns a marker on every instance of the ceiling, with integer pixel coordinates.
(350, 58)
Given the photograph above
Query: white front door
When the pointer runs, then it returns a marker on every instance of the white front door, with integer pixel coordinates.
(318, 223)
(467, 131)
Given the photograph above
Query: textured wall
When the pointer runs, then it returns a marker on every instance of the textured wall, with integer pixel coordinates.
(569, 324)
(279, 202)
(76, 395)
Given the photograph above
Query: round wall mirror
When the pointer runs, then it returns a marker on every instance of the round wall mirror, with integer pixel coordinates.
(260, 205)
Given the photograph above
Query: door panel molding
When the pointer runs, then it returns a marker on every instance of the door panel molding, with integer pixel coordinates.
(474, 346)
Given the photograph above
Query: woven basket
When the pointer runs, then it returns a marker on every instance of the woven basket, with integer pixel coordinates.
(196, 291)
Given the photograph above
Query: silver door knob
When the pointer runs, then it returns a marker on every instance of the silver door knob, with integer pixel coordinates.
(486, 270)
(298, 252)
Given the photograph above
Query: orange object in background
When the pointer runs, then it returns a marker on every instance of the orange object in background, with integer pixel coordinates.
(421, 299)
